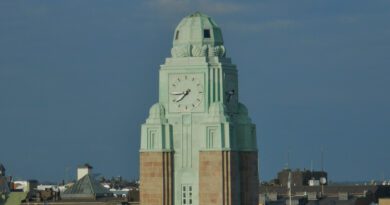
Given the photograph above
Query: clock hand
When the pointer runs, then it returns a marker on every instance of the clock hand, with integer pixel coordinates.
(185, 93)
(229, 95)
(180, 98)
(178, 93)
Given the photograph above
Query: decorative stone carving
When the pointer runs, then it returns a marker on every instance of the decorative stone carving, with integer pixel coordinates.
(198, 51)
(189, 50)
(181, 51)
(219, 51)
(211, 51)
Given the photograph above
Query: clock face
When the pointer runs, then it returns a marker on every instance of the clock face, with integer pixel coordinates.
(186, 92)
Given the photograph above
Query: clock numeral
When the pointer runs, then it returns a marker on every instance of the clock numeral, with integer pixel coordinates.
(193, 105)
(185, 77)
(174, 85)
(193, 79)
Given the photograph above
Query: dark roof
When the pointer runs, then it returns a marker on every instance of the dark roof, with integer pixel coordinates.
(86, 187)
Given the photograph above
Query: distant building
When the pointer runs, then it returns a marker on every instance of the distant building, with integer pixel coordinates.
(86, 188)
(301, 178)
(24, 185)
(331, 194)
(56, 188)
(306, 189)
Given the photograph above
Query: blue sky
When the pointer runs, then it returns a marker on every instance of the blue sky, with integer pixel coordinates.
(77, 79)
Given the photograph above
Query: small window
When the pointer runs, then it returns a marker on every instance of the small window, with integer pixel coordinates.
(177, 35)
(184, 188)
(206, 33)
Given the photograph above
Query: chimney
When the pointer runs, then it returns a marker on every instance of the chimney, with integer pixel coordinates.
(83, 170)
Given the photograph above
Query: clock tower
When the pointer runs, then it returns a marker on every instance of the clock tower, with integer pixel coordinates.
(198, 145)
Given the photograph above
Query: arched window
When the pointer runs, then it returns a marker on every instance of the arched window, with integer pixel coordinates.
(177, 35)
(206, 33)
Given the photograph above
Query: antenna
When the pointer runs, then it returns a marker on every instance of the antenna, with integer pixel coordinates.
(383, 176)
(289, 187)
(288, 159)
(322, 159)
(67, 174)
(311, 165)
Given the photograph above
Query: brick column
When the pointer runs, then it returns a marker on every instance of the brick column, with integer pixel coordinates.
(156, 178)
(218, 178)
(249, 178)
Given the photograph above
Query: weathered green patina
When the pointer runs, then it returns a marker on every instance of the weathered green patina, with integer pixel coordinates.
(198, 108)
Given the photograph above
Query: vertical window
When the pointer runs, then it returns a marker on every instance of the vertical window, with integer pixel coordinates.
(151, 139)
(190, 194)
(177, 35)
(211, 136)
(186, 194)
(206, 33)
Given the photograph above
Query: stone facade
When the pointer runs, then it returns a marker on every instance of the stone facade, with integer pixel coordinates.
(218, 178)
(228, 178)
(156, 178)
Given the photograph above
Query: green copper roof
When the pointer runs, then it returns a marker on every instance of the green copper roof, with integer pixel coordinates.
(86, 187)
(197, 29)
(197, 35)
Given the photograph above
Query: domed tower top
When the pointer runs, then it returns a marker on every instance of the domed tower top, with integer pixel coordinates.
(197, 35)
(197, 29)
